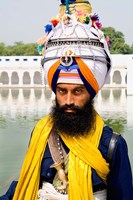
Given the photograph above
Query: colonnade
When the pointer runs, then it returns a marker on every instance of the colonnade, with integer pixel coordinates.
(20, 71)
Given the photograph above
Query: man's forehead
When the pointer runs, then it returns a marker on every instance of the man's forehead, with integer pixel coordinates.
(70, 86)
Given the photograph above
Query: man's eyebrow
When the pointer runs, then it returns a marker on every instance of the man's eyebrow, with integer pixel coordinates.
(60, 87)
(76, 87)
(80, 87)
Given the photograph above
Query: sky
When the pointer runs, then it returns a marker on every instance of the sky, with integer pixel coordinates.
(24, 20)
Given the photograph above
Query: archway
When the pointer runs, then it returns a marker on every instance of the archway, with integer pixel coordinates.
(37, 78)
(26, 78)
(117, 77)
(4, 78)
(14, 78)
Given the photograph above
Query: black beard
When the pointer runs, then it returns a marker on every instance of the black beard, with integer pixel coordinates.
(77, 123)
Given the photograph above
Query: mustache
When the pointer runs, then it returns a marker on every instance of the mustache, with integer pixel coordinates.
(71, 106)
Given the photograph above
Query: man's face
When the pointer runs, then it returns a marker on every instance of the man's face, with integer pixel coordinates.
(73, 112)
(71, 94)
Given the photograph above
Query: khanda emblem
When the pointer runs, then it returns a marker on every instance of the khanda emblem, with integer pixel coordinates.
(67, 59)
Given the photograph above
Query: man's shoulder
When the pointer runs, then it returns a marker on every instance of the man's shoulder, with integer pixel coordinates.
(110, 134)
(43, 122)
(112, 140)
(106, 135)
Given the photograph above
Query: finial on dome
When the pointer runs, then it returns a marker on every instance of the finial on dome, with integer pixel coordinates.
(67, 7)
(74, 6)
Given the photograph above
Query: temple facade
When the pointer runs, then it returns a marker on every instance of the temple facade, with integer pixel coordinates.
(25, 71)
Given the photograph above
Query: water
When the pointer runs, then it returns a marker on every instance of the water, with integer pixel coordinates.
(20, 109)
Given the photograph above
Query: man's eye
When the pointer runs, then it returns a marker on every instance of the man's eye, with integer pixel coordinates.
(78, 91)
(61, 91)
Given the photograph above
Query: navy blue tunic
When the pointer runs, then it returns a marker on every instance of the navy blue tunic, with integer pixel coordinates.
(119, 181)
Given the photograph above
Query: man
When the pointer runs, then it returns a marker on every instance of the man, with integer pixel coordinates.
(72, 154)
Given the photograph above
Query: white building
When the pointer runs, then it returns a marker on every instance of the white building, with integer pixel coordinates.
(25, 71)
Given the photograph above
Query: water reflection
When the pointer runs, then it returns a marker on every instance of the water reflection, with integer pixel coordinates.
(110, 103)
(117, 93)
(48, 93)
(4, 93)
(21, 108)
(105, 94)
(15, 93)
(114, 99)
(2, 122)
(26, 93)
(37, 93)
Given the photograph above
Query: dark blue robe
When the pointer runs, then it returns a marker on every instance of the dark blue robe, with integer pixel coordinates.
(119, 181)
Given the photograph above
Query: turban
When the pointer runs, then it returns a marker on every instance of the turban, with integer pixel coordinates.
(74, 48)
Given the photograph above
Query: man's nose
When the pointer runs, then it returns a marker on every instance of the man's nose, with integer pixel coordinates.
(69, 99)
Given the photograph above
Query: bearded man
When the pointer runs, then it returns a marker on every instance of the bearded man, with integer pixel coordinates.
(72, 153)
(73, 112)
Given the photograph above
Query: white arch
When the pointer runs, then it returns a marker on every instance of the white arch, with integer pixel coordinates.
(31, 64)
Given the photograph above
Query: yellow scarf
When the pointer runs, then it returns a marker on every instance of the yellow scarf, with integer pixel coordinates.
(83, 155)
